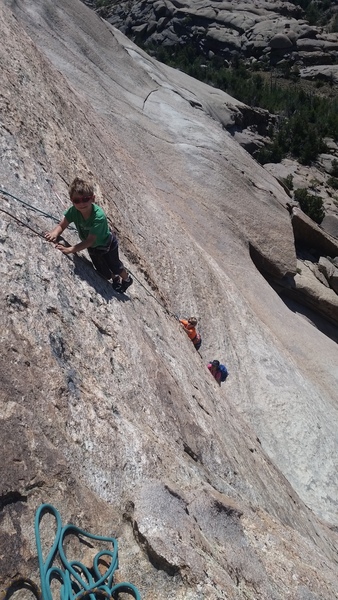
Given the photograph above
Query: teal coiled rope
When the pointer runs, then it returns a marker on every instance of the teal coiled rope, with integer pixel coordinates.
(77, 581)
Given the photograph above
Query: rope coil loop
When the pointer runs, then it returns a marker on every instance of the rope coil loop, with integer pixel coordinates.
(77, 581)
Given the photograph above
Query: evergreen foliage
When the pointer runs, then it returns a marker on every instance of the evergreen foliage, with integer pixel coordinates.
(305, 119)
(310, 204)
(334, 24)
(333, 182)
(288, 181)
(316, 12)
(334, 168)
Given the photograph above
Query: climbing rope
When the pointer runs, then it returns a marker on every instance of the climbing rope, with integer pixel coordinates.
(22, 223)
(30, 206)
(34, 208)
(77, 580)
(21, 583)
(171, 314)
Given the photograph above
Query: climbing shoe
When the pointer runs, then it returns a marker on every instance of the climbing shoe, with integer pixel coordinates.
(125, 284)
(116, 283)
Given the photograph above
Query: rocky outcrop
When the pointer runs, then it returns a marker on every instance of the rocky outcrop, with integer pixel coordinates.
(316, 283)
(330, 224)
(324, 72)
(268, 35)
(313, 286)
(263, 30)
(330, 272)
(316, 178)
(107, 411)
(311, 236)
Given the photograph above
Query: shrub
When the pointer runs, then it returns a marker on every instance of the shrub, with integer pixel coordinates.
(271, 153)
(334, 25)
(310, 204)
(334, 168)
(304, 119)
(333, 182)
(288, 181)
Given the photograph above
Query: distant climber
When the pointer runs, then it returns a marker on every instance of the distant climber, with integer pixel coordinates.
(219, 371)
(189, 326)
(92, 226)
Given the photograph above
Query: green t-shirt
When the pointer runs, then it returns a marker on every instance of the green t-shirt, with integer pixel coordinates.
(97, 224)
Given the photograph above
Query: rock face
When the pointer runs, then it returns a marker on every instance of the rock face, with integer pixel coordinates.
(263, 29)
(107, 411)
(309, 235)
(328, 73)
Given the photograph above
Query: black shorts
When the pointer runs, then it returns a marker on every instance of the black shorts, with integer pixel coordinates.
(106, 260)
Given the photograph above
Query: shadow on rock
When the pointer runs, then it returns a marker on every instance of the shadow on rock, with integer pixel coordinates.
(316, 320)
(22, 584)
(83, 268)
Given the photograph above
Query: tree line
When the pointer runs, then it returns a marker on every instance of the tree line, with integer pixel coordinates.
(304, 118)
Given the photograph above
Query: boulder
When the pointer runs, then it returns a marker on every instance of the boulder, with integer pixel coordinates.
(280, 41)
(250, 139)
(140, 29)
(330, 225)
(315, 58)
(326, 161)
(151, 27)
(292, 35)
(330, 272)
(252, 28)
(318, 273)
(227, 37)
(331, 145)
(324, 72)
(310, 44)
(162, 9)
(179, 3)
(309, 291)
(311, 236)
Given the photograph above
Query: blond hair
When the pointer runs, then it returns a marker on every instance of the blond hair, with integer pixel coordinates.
(81, 187)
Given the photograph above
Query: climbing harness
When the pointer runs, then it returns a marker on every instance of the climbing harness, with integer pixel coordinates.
(77, 580)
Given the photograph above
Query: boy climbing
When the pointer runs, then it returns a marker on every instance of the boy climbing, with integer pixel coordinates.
(219, 372)
(189, 325)
(92, 226)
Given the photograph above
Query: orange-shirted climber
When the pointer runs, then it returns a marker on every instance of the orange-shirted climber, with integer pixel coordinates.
(189, 326)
